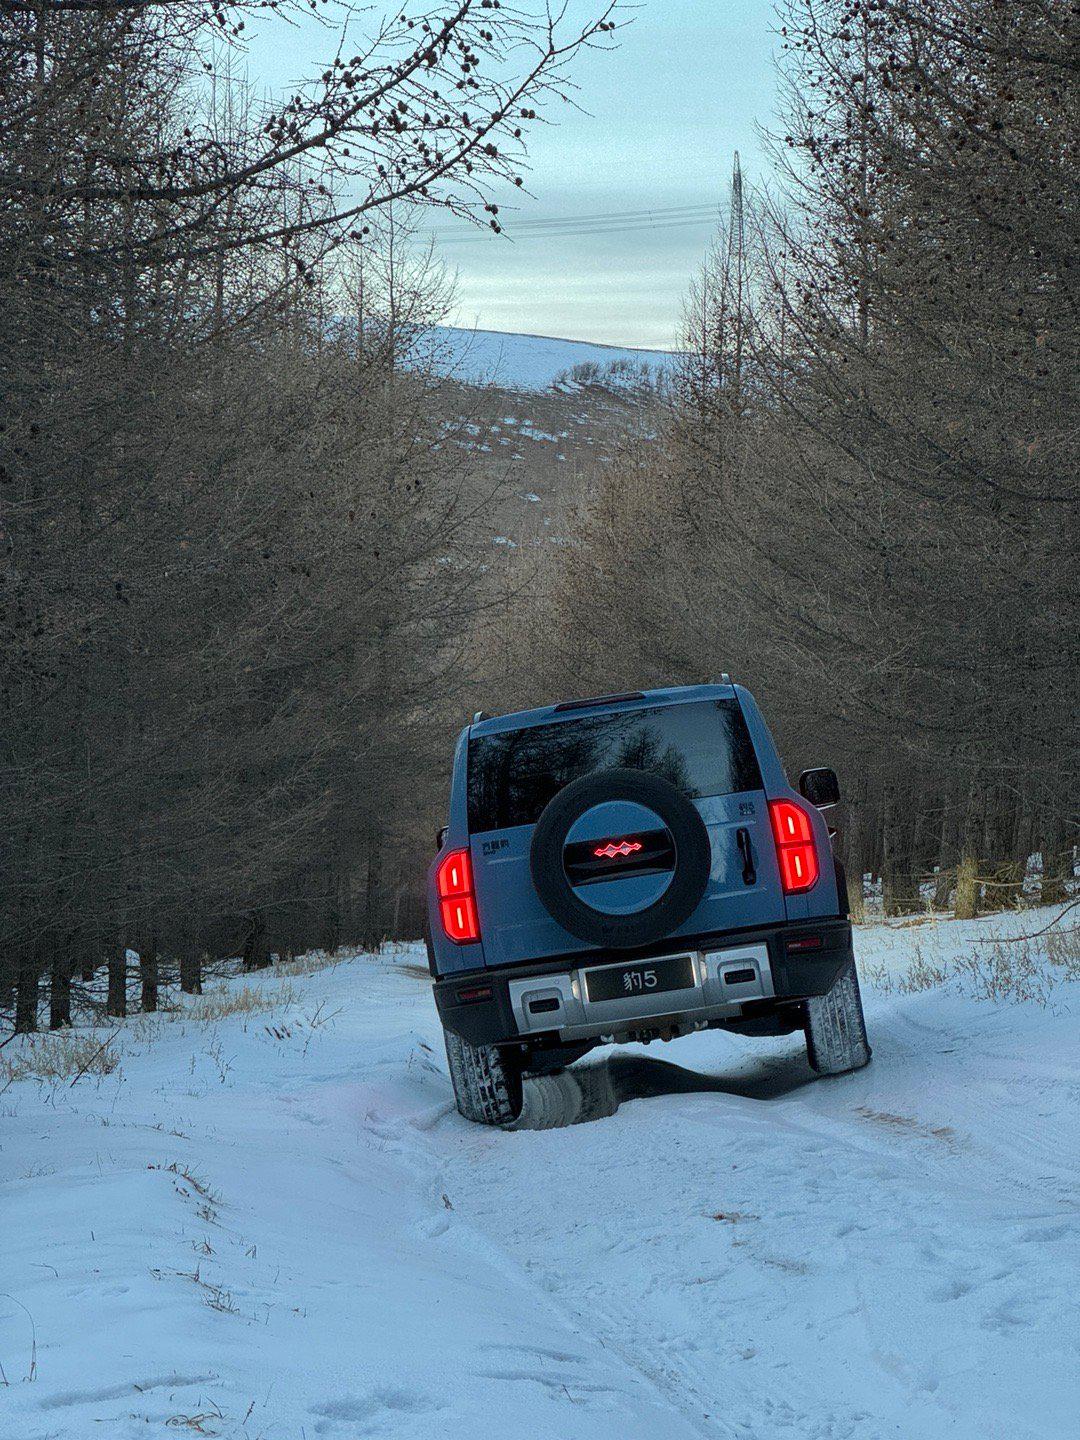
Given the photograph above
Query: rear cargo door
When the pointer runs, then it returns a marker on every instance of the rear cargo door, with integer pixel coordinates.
(701, 746)
(744, 885)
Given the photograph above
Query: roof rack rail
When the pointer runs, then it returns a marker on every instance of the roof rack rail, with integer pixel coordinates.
(601, 700)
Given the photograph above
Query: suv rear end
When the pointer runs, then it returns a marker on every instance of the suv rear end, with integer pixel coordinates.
(629, 868)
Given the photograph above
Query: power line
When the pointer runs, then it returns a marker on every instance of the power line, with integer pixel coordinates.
(598, 225)
(652, 212)
(656, 212)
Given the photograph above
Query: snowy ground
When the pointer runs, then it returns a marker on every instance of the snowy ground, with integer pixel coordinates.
(275, 1225)
(525, 362)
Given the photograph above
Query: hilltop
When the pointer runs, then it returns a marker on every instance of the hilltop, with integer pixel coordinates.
(535, 363)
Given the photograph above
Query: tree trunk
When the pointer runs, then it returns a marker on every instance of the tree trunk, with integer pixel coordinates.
(87, 943)
(60, 988)
(26, 996)
(372, 937)
(1023, 838)
(116, 999)
(851, 843)
(941, 889)
(942, 886)
(256, 948)
(946, 857)
(966, 903)
(1008, 890)
(191, 970)
(899, 885)
(148, 970)
(966, 906)
(1057, 865)
(7, 986)
(331, 929)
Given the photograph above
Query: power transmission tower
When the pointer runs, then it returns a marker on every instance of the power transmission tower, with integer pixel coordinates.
(736, 273)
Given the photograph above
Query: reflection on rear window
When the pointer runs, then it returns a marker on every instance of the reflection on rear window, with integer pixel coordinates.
(703, 748)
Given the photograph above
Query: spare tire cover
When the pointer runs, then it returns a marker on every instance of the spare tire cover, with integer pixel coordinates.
(692, 863)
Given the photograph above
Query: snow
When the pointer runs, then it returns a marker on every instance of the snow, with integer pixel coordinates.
(531, 432)
(275, 1225)
(528, 363)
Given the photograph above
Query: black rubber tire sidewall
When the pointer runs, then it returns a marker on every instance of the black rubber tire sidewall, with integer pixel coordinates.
(693, 862)
(486, 1080)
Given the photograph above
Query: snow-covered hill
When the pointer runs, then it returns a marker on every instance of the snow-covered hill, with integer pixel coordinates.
(531, 362)
(274, 1225)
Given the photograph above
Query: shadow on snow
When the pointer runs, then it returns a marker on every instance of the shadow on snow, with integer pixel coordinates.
(595, 1091)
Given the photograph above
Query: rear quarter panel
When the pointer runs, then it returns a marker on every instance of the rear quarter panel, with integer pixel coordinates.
(823, 899)
(447, 958)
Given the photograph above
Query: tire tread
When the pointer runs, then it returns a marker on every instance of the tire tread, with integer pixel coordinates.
(836, 1040)
(485, 1087)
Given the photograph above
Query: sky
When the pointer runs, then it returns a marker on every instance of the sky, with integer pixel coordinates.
(688, 83)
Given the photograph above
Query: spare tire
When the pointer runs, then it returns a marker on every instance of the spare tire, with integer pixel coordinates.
(690, 839)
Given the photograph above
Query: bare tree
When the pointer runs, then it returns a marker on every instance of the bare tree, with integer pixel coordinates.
(223, 501)
(865, 496)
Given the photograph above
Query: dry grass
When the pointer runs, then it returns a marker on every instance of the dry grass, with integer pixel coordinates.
(69, 1053)
(60, 1056)
(66, 1054)
(216, 1003)
(1023, 970)
(309, 964)
(1006, 971)
(225, 1000)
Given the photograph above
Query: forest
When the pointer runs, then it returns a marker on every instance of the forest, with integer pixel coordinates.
(234, 576)
(241, 613)
(864, 499)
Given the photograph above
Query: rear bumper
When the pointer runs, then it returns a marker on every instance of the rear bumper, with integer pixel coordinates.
(744, 972)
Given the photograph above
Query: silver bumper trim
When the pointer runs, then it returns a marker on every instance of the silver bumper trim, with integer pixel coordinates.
(724, 979)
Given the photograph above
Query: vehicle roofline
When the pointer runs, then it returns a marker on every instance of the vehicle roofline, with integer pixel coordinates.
(648, 699)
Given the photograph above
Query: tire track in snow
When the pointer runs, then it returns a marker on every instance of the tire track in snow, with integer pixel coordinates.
(889, 1231)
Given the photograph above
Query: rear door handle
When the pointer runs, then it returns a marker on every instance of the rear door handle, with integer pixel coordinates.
(742, 839)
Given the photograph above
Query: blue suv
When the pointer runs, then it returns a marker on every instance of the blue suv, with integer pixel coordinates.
(630, 868)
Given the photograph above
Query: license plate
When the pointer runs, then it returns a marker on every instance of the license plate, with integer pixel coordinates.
(649, 977)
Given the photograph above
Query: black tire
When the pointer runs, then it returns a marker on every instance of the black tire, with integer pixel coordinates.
(486, 1081)
(693, 859)
(835, 1028)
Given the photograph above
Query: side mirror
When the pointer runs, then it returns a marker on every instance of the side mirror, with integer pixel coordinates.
(440, 836)
(820, 787)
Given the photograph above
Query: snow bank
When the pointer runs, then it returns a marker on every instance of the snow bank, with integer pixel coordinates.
(526, 362)
(275, 1225)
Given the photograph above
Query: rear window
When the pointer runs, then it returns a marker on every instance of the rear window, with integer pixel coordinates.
(703, 748)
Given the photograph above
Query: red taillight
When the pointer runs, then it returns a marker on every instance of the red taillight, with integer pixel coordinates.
(795, 848)
(457, 904)
(797, 944)
(611, 849)
(472, 993)
(455, 875)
